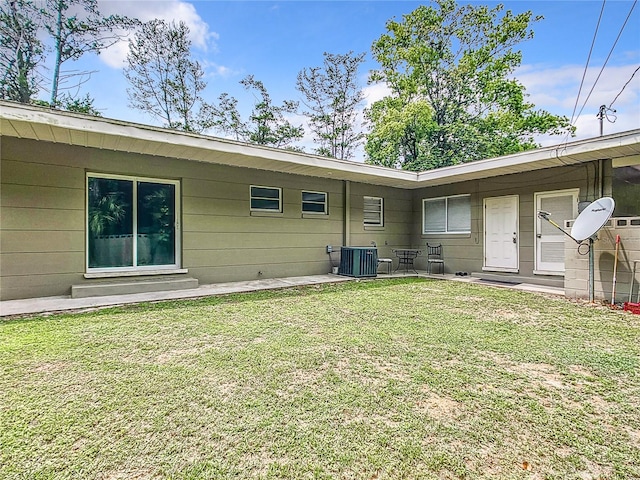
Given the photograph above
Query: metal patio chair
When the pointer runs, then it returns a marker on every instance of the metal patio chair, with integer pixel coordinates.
(434, 257)
(387, 262)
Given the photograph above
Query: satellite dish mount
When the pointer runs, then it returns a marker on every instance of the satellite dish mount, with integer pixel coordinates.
(585, 227)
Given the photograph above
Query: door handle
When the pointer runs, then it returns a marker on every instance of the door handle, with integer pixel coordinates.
(514, 238)
(539, 235)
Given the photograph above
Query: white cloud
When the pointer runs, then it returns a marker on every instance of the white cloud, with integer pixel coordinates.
(375, 92)
(144, 10)
(555, 89)
(215, 70)
(306, 141)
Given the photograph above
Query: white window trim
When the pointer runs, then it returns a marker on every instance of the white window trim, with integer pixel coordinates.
(325, 203)
(446, 216)
(147, 269)
(381, 202)
(271, 210)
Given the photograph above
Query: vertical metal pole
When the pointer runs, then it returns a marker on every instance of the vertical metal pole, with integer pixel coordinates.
(346, 229)
(591, 262)
(601, 118)
(600, 178)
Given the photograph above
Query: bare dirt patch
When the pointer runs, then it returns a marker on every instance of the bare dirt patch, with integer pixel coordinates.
(50, 367)
(540, 373)
(437, 406)
(179, 353)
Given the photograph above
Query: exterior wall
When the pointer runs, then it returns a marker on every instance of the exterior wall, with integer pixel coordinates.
(397, 218)
(223, 241)
(43, 218)
(461, 252)
(465, 252)
(577, 266)
(43, 197)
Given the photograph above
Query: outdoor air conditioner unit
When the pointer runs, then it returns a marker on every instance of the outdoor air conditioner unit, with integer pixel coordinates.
(358, 261)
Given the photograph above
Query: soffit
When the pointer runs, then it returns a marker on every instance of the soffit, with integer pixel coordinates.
(617, 146)
(71, 129)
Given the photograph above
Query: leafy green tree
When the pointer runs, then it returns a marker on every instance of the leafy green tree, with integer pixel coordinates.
(165, 82)
(21, 50)
(81, 105)
(225, 117)
(74, 35)
(332, 94)
(400, 138)
(266, 124)
(458, 62)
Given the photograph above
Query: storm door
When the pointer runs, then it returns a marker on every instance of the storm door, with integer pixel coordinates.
(561, 205)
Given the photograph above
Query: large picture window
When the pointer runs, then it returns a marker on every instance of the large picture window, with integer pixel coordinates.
(131, 222)
(447, 214)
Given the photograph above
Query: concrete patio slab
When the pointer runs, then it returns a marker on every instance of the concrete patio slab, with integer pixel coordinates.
(65, 303)
(33, 306)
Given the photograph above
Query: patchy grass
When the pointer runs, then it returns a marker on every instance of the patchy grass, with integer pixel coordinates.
(365, 380)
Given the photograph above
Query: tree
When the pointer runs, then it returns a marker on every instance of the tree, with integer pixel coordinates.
(21, 51)
(225, 118)
(332, 95)
(165, 81)
(73, 36)
(399, 139)
(458, 61)
(84, 105)
(266, 124)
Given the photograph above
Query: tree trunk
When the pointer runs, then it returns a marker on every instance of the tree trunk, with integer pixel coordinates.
(58, 48)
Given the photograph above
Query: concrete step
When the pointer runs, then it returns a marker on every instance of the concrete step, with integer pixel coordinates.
(120, 287)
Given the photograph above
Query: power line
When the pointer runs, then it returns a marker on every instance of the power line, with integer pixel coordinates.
(584, 74)
(625, 86)
(608, 56)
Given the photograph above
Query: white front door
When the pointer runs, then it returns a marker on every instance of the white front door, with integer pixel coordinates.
(501, 234)
(562, 205)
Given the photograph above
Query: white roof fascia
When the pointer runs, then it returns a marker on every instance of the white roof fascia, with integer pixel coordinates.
(620, 145)
(24, 121)
(36, 123)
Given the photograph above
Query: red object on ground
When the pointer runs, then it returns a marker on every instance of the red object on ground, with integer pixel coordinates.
(632, 307)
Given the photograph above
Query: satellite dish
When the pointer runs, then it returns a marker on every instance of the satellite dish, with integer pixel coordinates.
(592, 218)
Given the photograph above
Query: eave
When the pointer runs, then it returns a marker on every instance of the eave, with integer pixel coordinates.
(66, 128)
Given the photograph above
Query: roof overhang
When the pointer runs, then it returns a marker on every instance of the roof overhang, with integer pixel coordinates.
(623, 148)
(37, 123)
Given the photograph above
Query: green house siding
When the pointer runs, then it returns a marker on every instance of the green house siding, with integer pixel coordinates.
(43, 218)
(465, 252)
(47, 160)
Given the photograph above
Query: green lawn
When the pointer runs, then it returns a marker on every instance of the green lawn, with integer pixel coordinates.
(365, 380)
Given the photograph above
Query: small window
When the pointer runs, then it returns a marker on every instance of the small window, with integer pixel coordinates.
(447, 214)
(267, 199)
(314, 202)
(373, 211)
(626, 185)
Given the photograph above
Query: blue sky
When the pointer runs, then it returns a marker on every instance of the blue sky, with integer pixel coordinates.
(274, 40)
